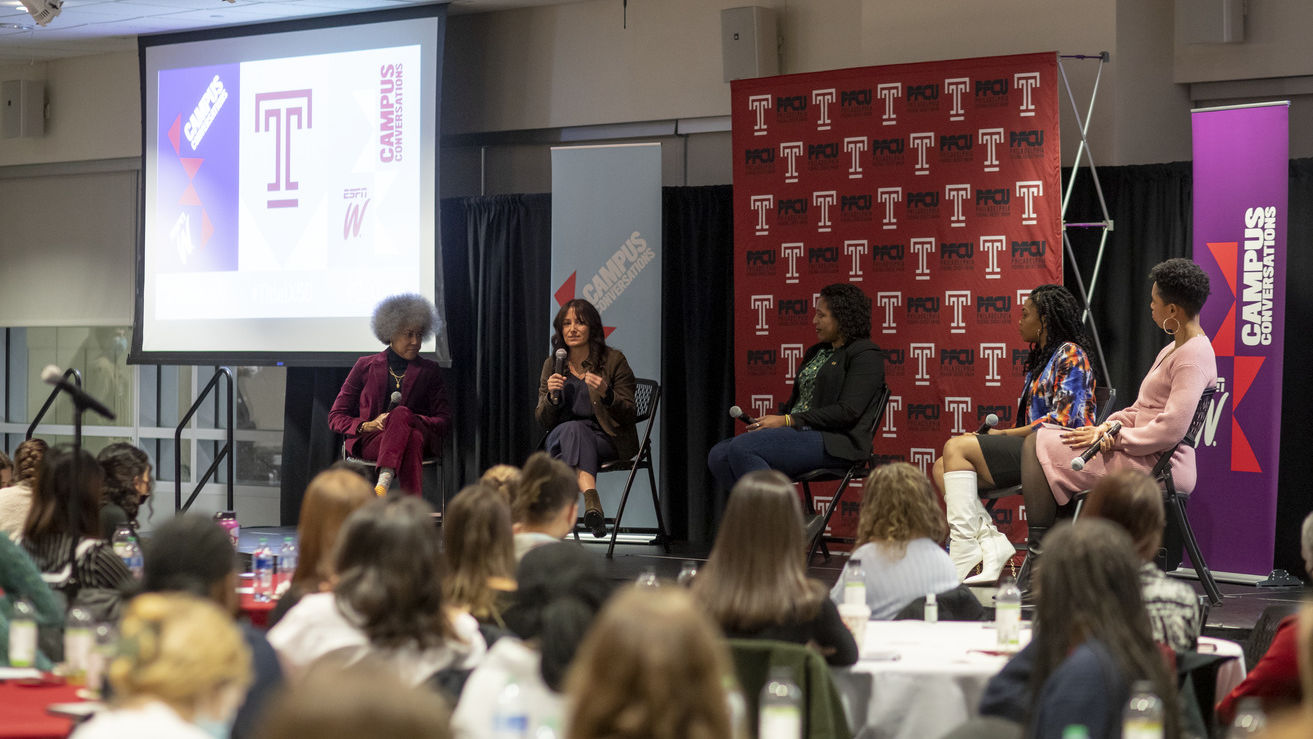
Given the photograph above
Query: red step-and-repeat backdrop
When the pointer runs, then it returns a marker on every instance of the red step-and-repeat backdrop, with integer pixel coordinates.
(935, 188)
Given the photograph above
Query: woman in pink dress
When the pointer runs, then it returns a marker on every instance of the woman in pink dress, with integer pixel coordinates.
(1155, 422)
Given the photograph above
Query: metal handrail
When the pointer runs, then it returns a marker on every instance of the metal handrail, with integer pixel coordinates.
(228, 451)
(50, 400)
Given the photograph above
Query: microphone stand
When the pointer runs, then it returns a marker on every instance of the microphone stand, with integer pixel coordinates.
(80, 406)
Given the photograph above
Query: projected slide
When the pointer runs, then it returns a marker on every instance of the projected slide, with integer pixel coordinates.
(286, 194)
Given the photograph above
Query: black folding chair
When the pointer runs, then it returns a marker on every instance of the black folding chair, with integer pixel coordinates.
(856, 471)
(647, 397)
(1174, 501)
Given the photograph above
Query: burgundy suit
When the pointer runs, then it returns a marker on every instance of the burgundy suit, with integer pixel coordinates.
(414, 430)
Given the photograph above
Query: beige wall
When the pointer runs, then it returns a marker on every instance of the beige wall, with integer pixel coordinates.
(1276, 45)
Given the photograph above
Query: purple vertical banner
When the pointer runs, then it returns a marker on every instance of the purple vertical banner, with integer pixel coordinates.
(197, 165)
(1241, 181)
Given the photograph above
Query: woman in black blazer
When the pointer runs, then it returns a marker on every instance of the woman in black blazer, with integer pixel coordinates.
(827, 421)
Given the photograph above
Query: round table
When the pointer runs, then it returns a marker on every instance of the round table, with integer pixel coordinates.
(23, 710)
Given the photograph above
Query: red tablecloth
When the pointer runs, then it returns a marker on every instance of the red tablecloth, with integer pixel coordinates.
(256, 611)
(23, 710)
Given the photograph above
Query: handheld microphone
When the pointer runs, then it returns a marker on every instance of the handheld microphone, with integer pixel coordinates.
(559, 369)
(53, 376)
(990, 422)
(737, 412)
(395, 401)
(1079, 462)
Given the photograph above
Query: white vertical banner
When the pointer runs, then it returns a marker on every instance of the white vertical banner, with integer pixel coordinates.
(606, 249)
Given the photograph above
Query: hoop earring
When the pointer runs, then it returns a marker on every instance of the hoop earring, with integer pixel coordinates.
(1174, 330)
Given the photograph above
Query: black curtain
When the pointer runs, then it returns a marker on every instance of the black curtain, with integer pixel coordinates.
(497, 253)
(308, 445)
(1293, 499)
(697, 361)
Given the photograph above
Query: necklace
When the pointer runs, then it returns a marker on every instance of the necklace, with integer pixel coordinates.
(397, 377)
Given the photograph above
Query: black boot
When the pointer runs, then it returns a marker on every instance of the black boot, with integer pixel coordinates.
(1034, 549)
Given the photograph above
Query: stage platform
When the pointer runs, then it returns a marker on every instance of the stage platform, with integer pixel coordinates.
(1242, 605)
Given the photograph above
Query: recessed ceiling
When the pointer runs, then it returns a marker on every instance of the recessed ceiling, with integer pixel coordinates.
(102, 26)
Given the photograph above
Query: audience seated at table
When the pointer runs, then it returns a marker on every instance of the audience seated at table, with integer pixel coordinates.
(387, 601)
(329, 498)
(192, 554)
(20, 579)
(128, 484)
(1091, 641)
(16, 495)
(755, 583)
(72, 557)
(544, 503)
(1276, 678)
(654, 666)
(1134, 501)
(366, 699)
(180, 672)
(899, 534)
(561, 590)
(480, 571)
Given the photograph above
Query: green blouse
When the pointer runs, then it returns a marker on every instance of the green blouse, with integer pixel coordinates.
(806, 380)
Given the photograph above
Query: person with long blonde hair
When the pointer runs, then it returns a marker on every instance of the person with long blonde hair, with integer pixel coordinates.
(329, 498)
(181, 671)
(480, 554)
(652, 667)
(755, 584)
(899, 531)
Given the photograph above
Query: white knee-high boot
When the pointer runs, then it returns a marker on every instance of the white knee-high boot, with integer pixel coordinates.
(961, 502)
(994, 545)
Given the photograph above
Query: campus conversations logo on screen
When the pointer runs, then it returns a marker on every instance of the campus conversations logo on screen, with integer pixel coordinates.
(279, 114)
(390, 110)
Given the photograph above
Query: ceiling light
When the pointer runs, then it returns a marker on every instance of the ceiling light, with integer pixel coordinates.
(43, 11)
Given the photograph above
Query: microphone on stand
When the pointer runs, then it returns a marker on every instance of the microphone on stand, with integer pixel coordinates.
(737, 412)
(1079, 462)
(990, 422)
(559, 369)
(52, 375)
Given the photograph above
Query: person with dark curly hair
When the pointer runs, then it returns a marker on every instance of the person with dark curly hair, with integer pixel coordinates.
(1059, 389)
(827, 420)
(128, 484)
(588, 410)
(1154, 423)
(393, 408)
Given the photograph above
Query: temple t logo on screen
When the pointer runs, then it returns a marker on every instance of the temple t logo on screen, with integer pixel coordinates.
(207, 109)
(957, 87)
(959, 407)
(923, 248)
(762, 405)
(888, 92)
(1026, 82)
(991, 138)
(993, 354)
(822, 99)
(824, 200)
(857, 249)
(791, 353)
(889, 301)
(762, 204)
(922, 142)
(889, 197)
(888, 430)
(922, 458)
(855, 146)
(991, 247)
(762, 304)
(759, 104)
(957, 194)
(282, 113)
(791, 150)
(791, 252)
(922, 353)
(957, 300)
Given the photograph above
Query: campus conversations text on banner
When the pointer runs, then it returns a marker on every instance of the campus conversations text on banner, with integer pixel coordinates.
(935, 188)
(606, 248)
(1241, 181)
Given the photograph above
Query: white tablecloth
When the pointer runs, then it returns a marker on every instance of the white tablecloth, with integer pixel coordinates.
(919, 680)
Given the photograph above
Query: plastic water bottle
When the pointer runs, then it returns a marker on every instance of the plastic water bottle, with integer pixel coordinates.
(287, 557)
(1249, 719)
(686, 574)
(79, 645)
(1075, 731)
(1007, 615)
(262, 561)
(119, 542)
(132, 557)
(227, 520)
(106, 639)
(22, 635)
(510, 718)
(931, 608)
(1143, 718)
(854, 583)
(779, 713)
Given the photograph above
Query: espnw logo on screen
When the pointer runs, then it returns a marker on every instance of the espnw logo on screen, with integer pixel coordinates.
(281, 113)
